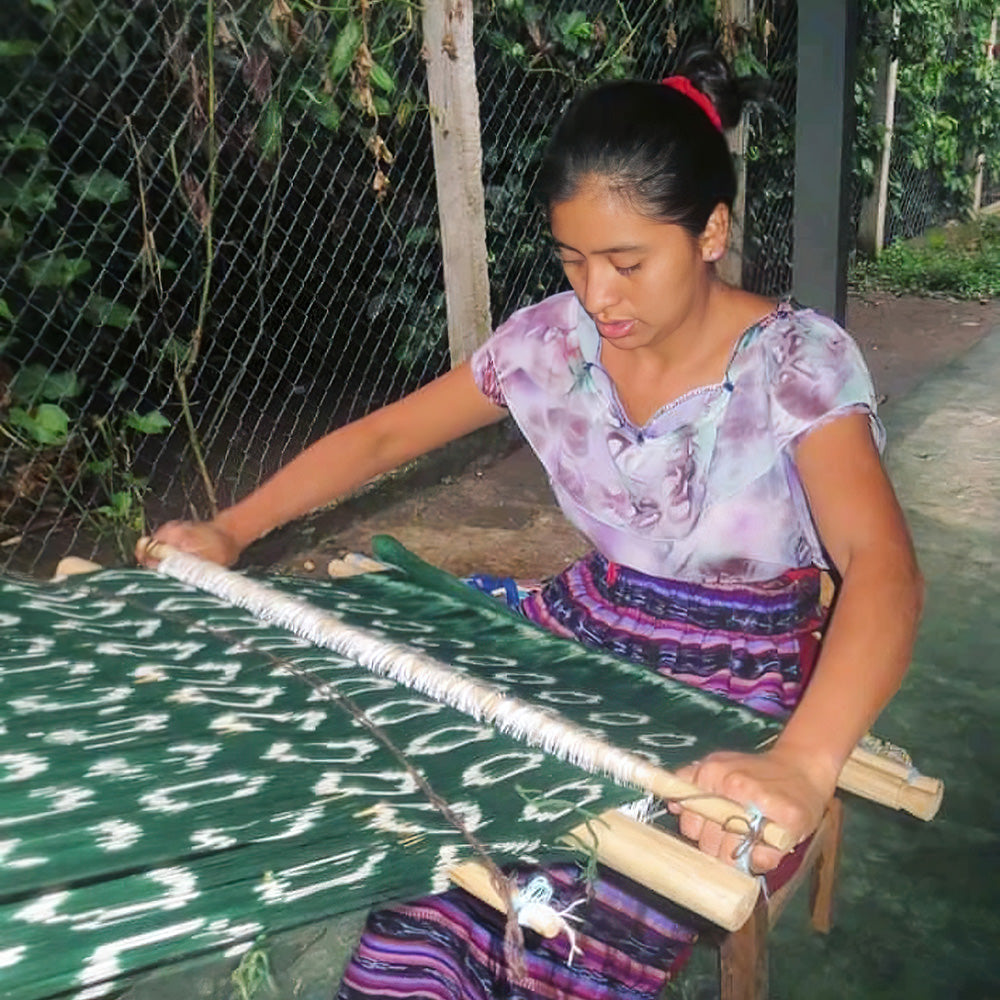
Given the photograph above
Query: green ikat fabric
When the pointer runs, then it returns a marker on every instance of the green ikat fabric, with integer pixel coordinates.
(172, 783)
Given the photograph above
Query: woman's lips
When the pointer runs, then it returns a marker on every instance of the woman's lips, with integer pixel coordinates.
(613, 329)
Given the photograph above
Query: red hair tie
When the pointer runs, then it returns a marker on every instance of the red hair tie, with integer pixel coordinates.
(684, 86)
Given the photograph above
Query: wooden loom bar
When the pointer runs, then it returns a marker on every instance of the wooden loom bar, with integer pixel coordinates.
(867, 774)
(653, 858)
(542, 728)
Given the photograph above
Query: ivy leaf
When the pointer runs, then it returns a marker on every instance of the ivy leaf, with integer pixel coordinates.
(47, 423)
(102, 311)
(344, 48)
(55, 271)
(5, 312)
(46, 5)
(153, 422)
(382, 79)
(101, 185)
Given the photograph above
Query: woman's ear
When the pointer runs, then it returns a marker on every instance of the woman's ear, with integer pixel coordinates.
(715, 237)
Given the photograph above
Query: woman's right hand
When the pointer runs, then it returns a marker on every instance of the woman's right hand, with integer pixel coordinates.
(201, 538)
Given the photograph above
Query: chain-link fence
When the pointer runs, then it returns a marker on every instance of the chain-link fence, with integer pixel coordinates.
(932, 64)
(219, 234)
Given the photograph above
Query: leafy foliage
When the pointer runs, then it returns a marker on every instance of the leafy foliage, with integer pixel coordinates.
(960, 260)
(947, 105)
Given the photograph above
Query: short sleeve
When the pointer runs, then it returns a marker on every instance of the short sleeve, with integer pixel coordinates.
(485, 374)
(817, 375)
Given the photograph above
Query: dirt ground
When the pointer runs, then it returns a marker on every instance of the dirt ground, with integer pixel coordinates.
(497, 515)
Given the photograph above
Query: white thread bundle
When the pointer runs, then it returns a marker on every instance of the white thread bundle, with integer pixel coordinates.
(527, 723)
(540, 727)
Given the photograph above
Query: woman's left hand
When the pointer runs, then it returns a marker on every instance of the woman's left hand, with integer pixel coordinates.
(786, 787)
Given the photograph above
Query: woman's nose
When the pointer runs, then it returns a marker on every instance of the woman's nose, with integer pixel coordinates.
(599, 292)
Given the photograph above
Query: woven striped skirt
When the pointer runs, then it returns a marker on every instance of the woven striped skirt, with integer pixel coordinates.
(748, 642)
(752, 643)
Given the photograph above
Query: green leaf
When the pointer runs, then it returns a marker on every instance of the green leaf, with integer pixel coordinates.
(47, 423)
(329, 116)
(5, 312)
(55, 271)
(21, 137)
(101, 185)
(269, 130)
(47, 5)
(36, 382)
(30, 195)
(419, 235)
(105, 312)
(344, 48)
(153, 422)
(17, 49)
(382, 79)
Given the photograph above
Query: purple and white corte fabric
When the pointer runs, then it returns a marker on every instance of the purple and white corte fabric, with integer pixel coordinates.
(706, 491)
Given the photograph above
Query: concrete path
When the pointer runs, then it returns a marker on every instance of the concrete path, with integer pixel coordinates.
(919, 904)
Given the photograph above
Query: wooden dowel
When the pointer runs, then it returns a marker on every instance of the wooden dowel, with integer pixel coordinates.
(880, 785)
(865, 774)
(653, 858)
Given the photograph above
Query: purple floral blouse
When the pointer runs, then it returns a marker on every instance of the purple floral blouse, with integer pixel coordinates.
(706, 490)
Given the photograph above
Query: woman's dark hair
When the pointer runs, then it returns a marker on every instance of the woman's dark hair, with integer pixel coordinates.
(652, 144)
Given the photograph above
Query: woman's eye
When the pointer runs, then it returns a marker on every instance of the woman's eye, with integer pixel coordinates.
(627, 270)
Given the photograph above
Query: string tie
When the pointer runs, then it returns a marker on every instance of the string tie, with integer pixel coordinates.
(533, 906)
(684, 86)
(744, 849)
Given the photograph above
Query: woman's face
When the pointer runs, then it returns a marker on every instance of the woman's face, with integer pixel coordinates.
(637, 278)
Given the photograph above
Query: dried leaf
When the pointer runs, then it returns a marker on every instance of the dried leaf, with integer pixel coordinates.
(284, 21)
(256, 73)
(380, 184)
(382, 152)
(223, 36)
(195, 192)
(362, 71)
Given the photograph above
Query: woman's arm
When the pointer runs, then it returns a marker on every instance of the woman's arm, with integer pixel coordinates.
(864, 654)
(340, 462)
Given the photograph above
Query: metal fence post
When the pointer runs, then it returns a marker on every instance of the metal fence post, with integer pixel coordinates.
(454, 110)
(824, 126)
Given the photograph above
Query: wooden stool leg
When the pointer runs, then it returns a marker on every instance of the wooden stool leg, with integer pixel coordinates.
(743, 958)
(825, 872)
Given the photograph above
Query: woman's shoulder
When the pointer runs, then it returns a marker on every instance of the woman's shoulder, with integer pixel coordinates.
(559, 313)
(793, 336)
(807, 364)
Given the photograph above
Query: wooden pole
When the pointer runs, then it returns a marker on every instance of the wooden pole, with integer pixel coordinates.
(733, 14)
(977, 181)
(871, 225)
(458, 158)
